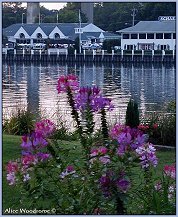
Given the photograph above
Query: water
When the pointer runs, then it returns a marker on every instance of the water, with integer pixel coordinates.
(34, 87)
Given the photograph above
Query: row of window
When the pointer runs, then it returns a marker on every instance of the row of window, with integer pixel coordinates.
(149, 36)
(39, 35)
(27, 41)
(146, 47)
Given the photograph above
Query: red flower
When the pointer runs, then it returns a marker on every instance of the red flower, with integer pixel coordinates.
(155, 126)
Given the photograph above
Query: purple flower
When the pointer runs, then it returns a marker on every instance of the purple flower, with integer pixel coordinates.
(104, 181)
(123, 185)
(43, 156)
(124, 138)
(11, 178)
(33, 142)
(105, 159)
(90, 96)
(26, 177)
(68, 171)
(128, 138)
(121, 150)
(101, 102)
(146, 154)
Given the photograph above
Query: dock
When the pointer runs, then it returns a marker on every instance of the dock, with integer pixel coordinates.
(121, 56)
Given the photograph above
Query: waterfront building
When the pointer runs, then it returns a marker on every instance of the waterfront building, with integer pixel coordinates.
(150, 35)
(40, 33)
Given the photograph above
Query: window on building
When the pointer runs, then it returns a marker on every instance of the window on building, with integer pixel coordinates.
(167, 35)
(78, 30)
(134, 36)
(163, 47)
(142, 36)
(159, 35)
(125, 36)
(22, 35)
(39, 35)
(150, 35)
(167, 47)
(174, 35)
(56, 36)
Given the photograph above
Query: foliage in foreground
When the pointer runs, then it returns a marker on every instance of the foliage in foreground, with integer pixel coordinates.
(161, 127)
(99, 180)
(21, 122)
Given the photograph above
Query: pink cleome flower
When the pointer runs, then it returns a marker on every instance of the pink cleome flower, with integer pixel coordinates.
(29, 160)
(45, 127)
(170, 170)
(116, 130)
(70, 168)
(12, 167)
(65, 82)
(101, 153)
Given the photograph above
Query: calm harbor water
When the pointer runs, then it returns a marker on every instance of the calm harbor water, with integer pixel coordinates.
(34, 87)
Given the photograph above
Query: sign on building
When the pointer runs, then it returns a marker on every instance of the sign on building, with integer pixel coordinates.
(166, 18)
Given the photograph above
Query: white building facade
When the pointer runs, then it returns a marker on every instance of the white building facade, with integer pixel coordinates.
(39, 33)
(150, 35)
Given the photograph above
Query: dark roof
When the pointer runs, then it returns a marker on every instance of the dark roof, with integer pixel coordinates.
(111, 35)
(92, 35)
(30, 28)
(11, 30)
(47, 29)
(152, 26)
(66, 28)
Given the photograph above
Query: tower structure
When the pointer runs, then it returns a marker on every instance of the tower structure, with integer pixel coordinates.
(33, 10)
(87, 9)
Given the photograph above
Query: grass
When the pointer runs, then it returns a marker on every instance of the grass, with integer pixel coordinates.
(12, 150)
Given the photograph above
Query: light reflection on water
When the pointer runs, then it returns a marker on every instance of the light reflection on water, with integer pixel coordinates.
(34, 87)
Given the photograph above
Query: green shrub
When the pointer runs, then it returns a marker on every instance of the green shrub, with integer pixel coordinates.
(132, 114)
(71, 50)
(171, 107)
(109, 44)
(161, 128)
(21, 122)
(62, 132)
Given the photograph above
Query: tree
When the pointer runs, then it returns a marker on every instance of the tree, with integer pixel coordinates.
(12, 13)
(132, 114)
(113, 16)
